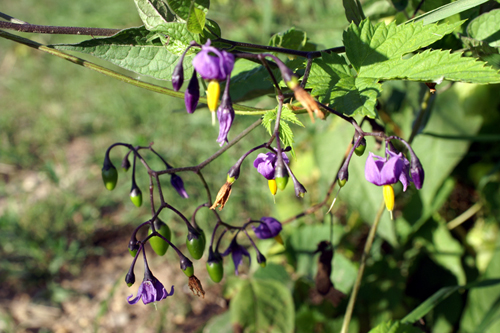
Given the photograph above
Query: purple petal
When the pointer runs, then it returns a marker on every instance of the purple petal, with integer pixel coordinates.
(225, 114)
(139, 294)
(269, 228)
(265, 165)
(372, 169)
(392, 170)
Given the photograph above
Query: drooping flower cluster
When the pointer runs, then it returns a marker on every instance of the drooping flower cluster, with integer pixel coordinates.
(266, 164)
(213, 65)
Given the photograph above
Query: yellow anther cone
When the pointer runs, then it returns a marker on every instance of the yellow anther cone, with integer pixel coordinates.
(389, 198)
(213, 94)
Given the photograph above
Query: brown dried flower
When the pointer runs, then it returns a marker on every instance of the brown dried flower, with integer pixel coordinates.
(308, 103)
(222, 196)
(195, 286)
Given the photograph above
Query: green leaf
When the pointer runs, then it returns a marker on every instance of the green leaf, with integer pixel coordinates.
(394, 327)
(196, 20)
(182, 8)
(440, 295)
(286, 134)
(353, 11)
(291, 39)
(333, 84)
(153, 13)
(486, 28)
(482, 304)
(448, 10)
(219, 324)
(133, 50)
(250, 80)
(263, 306)
(367, 44)
(433, 66)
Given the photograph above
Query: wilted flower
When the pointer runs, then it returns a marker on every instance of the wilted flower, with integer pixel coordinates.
(150, 290)
(266, 164)
(269, 228)
(237, 252)
(222, 196)
(178, 184)
(225, 114)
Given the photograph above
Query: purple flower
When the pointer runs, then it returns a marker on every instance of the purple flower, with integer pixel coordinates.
(266, 163)
(178, 184)
(269, 228)
(381, 171)
(237, 252)
(192, 94)
(150, 290)
(213, 64)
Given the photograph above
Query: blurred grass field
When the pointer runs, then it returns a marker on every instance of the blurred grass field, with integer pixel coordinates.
(58, 223)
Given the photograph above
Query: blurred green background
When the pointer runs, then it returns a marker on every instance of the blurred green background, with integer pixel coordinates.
(63, 236)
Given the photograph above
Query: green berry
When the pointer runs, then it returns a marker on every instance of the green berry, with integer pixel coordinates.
(109, 176)
(195, 243)
(157, 243)
(136, 196)
(281, 182)
(215, 270)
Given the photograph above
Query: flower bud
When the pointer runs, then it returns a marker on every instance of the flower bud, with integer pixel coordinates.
(136, 196)
(192, 94)
(125, 164)
(178, 185)
(109, 174)
(178, 75)
(130, 278)
(261, 259)
(417, 172)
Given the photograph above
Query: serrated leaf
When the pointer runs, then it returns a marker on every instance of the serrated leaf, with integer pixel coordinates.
(325, 73)
(433, 66)
(263, 306)
(133, 50)
(153, 13)
(285, 132)
(367, 44)
(486, 27)
(395, 327)
(291, 39)
(182, 8)
(196, 21)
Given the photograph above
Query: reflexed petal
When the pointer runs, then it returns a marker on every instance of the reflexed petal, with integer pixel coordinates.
(391, 170)
(269, 228)
(139, 294)
(372, 171)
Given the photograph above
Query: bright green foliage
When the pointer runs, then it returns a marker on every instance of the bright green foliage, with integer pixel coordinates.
(395, 327)
(196, 20)
(153, 13)
(183, 8)
(486, 28)
(292, 38)
(377, 52)
(131, 49)
(259, 305)
(286, 134)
